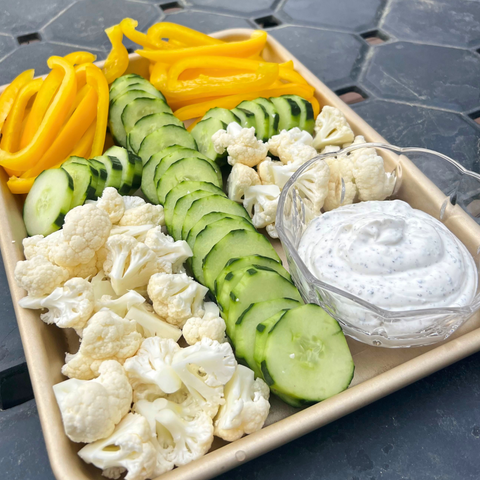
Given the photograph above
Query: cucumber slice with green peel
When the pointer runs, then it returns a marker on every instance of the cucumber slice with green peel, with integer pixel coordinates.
(247, 118)
(140, 108)
(307, 121)
(130, 179)
(147, 125)
(84, 182)
(289, 112)
(238, 243)
(182, 189)
(115, 113)
(137, 179)
(202, 207)
(246, 326)
(102, 176)
(202, 133)
(256, 285)
(188, 169)
(304, 355)
(262, 118)
(121, 84)
(248, 261)
(165, 137)
(272, 113)
(114, 170)
(139, 84)
(48, 202)
(210, 236)
(226, 116)
(83, 161)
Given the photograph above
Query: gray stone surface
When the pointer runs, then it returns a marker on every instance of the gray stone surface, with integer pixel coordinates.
(207, 22)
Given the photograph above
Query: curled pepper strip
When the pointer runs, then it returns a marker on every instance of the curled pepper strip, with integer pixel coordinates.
(20, 185)
(315, 106)
(51, 123)
(10, 94)
(75, 58)
(159, 75)
(128, 26)
(117, 60)
(96, 79)
(179, 33)
(244, 48)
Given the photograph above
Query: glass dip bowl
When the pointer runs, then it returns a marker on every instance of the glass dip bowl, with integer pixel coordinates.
(428, 181)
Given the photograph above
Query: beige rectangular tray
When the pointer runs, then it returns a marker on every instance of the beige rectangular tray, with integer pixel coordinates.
(379, 371)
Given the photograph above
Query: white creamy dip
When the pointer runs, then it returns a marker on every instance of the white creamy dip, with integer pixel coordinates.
(391, 255)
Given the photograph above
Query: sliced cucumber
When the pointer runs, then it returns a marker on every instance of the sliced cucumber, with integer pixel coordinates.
(165, 137)
(202, 133)
(147, 125)
(203, 206)
(48, 202)
(137, 109)
(84, 182)
(246, 117)
(307, 121)
(262, 118)
(130, 179)
(137, 84)
(304, 355)
(121, 84)
(226, 116)
(239, 243)
(272, 113)
(246, 326)
(288, 111)
(102, 175)
(188, 169)
(114, 170)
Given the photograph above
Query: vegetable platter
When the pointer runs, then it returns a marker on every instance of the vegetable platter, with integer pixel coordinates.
(378, 372)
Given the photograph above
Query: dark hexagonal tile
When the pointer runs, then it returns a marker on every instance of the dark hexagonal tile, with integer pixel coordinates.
(351, 15)
(424, 74)
(26, 16)
(207, 22)
(245, 7)
(84, 23)
(321, 50)
(448, 22)
(7, 45)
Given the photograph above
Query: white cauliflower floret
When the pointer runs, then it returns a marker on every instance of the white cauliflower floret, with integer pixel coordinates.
(112, 203)
(246, 406)
(106, 337)
(261, 202)
(265, 171)
(330, 149)
(341, 177)
(146, 214)
(129, 263)
(130, 447)
(241, 144)
(331, 128)
(139, 232)
(272, 230)
(101, 286)
(69, 306)
(39, 277)
(171, 253)
(119, 305)
(240, 178)
(176, 298)
(85, 231)
(91, 409)
(132, 202)
(40, 245)
(292, 146)
(84, 270)
(211, 325)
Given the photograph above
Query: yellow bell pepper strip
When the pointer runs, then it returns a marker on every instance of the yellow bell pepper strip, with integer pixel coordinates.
(40, 105)
(117, 60)
(192, 125)
(10, 94)
(179, 33)
(78, 98)
(159, 75)
(96, 79)
(13, 126)
(84, 145)
(51, 123)
(70, 134)
(76, 58)
(315, 106)
(290, 75)
(20, 185)
(200, 109)
(244, 48)
(128, 26)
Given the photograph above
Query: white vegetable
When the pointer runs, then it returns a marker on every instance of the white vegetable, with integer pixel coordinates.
(240, 178)
(91, 409)
(331, 128)
(40, 245)
(119, 305)
(112, 203)
(143, 215)
(341, 178)
(292, 146)
(246, 406)
(265, 171)
(139, 232)
(261, 202)
(101, 286)
(132, 202)
(211, 325)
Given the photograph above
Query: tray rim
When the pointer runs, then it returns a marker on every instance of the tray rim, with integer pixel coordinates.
(274, 435)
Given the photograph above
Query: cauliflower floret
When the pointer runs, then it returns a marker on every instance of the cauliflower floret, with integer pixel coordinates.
(39, 277)
(272, 230)
(172, 254)
(261, 202)
(91, 409)
(130, 447)
(112, 203)
(85, 231)
(106, 337)
(211, 325)
(101, 286)
(132, 202)
(331, 128)
(241, 144)
(330, 149)
(84, 270)
(139, 232)
(246, 406)
(292, 146)
(129, 263)
(176, 298)
(340, 184)
(146, 214)
(69, 306)
(240, 178)
(265, 171)
(40, 245)
(119, 305)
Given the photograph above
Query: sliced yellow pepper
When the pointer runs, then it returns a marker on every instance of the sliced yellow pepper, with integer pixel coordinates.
(289, 74)
(244, 48)
(84, 145)
(158, 75)
(96, 79)
(20, 185)
(10, 94)
(128, 26)
(315, 106)
(178, 33)
(76, 58)
(117, 60)
(78, 98)
(51, 123)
